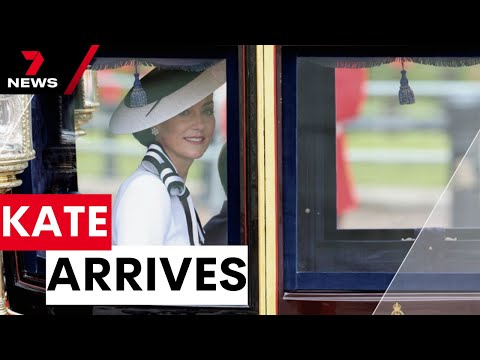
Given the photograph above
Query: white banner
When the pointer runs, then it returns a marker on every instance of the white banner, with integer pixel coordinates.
(149, 275)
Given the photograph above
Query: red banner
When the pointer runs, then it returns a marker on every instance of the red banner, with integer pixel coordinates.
(55, 222)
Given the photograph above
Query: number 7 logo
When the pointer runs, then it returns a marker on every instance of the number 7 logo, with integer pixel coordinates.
(37, 61)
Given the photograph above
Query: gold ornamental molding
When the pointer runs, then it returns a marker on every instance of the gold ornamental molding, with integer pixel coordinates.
(86, 101)
(397, 309)
(15, 139)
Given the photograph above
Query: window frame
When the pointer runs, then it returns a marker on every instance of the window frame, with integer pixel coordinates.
(242, 190)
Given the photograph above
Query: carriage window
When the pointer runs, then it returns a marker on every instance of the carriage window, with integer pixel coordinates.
(114, 144)
(378, 160)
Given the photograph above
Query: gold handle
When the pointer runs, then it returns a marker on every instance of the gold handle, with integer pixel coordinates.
(4, 310)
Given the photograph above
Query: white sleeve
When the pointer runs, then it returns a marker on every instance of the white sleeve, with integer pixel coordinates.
(143, 213)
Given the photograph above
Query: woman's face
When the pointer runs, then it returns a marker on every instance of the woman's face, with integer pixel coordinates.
(187, 135)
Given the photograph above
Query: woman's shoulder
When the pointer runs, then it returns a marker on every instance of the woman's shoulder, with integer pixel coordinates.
(143, 183)
(142, 210)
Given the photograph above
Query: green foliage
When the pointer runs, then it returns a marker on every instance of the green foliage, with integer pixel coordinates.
(397, 174)
(398, 140)
(401, 175)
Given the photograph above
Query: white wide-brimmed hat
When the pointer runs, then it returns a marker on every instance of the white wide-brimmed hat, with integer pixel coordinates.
(168, 93)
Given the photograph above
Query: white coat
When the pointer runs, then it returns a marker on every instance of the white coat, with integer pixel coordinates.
(144, 213)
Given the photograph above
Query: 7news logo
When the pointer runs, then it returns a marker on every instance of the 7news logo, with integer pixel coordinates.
(31, 82)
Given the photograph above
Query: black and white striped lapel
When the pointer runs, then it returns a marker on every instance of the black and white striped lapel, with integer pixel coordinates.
(165, 170)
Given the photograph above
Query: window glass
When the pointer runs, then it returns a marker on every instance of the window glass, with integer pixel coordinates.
(370, 168)
(105, 159)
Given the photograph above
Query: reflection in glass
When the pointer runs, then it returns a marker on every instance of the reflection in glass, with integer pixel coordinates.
(86, 103)
(11, 126)
(446, 259)
(90, 89)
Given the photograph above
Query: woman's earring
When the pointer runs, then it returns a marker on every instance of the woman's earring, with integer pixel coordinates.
(154, 131)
